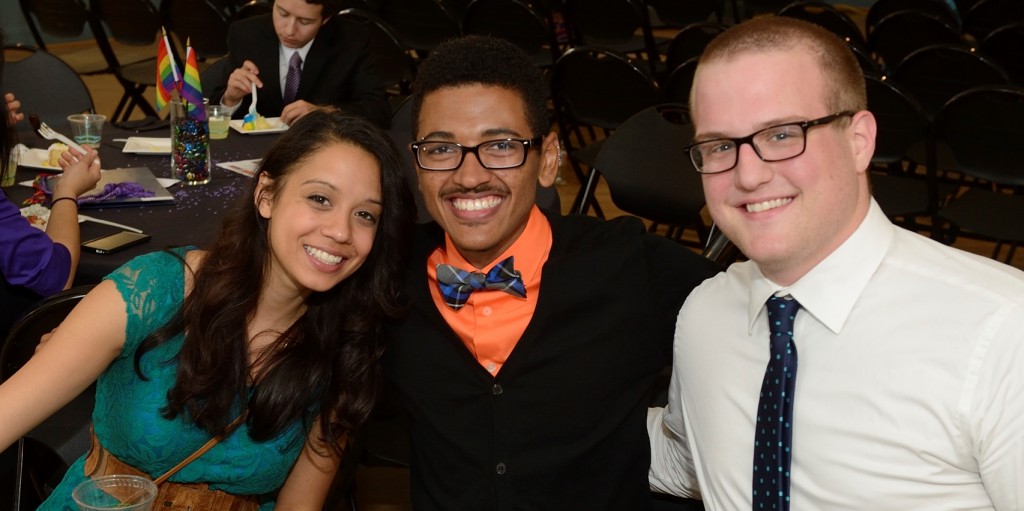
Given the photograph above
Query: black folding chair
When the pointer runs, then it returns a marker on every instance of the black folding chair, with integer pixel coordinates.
(64, 94)
(64, 19)
(586, 114)
(650, 175)
(982, 127)
(37, 467)
(129, 23)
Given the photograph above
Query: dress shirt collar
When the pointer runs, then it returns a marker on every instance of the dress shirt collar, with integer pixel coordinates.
(286, 53)
(830, 290)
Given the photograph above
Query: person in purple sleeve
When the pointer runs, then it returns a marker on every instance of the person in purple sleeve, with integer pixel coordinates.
(33, 263)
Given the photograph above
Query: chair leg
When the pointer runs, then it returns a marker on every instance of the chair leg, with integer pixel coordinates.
(585, 197)
(18, 473)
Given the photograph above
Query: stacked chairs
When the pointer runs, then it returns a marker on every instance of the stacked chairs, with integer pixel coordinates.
(650, 175)
(421, 25)
(620, 25)
(63, 19)
(937, 8)
(594, 90)
(690, 42)
(517, 21)
(898, 34)
(903, 148)
(982, 128)
(395, 66)
(1005, 45)
(203, 23)
(936, 73)
(984, 16)
(676, 13)
(824, 15)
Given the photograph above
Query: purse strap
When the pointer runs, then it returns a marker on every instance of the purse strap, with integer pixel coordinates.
(202, 450)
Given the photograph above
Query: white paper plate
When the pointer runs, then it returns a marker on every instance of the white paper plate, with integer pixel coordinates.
(276, 126)
(37, 159)
(147, 145)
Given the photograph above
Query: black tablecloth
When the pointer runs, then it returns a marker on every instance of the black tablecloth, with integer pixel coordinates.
(192, 220)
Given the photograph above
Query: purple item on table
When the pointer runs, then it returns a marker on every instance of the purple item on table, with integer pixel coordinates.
(126, 189)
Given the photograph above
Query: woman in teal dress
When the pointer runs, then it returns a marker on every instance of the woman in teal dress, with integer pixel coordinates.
(279, 320)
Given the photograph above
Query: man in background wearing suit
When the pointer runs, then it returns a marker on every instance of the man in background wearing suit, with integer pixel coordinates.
(301, 56)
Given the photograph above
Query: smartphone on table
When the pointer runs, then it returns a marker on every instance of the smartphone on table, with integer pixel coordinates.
(115, 242)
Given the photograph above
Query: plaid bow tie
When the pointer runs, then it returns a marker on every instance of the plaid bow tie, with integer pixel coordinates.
(456, 285)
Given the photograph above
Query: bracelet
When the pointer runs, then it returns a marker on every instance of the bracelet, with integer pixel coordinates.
(55, 201)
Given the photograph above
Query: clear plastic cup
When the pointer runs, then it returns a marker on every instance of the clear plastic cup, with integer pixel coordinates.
(87, 129)
(120, 492)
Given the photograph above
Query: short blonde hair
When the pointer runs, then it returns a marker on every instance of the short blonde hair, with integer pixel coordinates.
(845, 79)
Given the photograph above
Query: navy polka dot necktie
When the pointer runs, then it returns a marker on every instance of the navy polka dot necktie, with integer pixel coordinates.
(773, 434)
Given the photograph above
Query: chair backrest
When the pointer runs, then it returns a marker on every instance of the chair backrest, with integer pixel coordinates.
(680, 81)
(393, 63)
(624, 89)
(882, 8)
(902, 123)
(983, 129)
(130, 22)
(867, 63)
(936, 73)
(1006, 46)
(253, 8)
(40, 319)
(64, 94)
(987, 15)
(648, 172)
(827, 16)
(900, 33)
(516, 21)
(690, 42)
(613, 24)
(61, 18)
(676, 13)
(203, 23)
(420, 24)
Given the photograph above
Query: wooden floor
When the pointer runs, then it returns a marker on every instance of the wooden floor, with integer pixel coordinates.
(381, 489)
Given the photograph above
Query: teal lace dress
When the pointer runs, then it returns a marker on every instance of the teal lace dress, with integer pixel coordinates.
(127, 416)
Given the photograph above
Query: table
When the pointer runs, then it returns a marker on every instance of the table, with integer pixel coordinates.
(192, 220)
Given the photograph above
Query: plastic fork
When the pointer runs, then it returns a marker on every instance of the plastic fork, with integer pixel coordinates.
(48, 133)
(252, 107)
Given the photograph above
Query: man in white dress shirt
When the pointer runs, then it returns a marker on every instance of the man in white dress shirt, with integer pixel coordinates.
(909, 392)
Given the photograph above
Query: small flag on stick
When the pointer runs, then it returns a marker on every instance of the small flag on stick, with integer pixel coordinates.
(166, 72)
(191, 89)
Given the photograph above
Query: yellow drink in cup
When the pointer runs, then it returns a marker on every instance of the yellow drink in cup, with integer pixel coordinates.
(219, 121)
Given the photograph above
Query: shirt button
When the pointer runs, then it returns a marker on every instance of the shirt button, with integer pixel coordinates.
(501, 469)
(491, 367)
(487, 311)
(497, 389)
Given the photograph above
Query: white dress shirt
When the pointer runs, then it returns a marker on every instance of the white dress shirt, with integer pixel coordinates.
(909, 389)
(284, 56)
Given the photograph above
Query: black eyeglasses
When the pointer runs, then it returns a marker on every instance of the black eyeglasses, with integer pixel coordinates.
(499, 154)
(776, 143)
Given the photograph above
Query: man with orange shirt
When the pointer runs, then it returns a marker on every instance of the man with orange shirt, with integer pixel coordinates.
(532, 339)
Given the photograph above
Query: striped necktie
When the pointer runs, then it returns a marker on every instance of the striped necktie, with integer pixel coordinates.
(773, 433)
(291, 82)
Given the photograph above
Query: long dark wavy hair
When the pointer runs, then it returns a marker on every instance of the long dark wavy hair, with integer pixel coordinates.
(328, 361)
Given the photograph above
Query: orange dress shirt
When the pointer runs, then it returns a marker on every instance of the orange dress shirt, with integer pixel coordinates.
(491, 322)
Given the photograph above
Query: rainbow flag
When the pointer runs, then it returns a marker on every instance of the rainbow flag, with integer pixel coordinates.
(191, 89)
(166, 72)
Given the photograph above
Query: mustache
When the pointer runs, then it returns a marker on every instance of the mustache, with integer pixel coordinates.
(483, 189)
